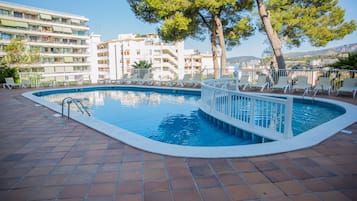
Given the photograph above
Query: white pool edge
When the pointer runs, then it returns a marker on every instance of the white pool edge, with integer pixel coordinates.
(304, 140)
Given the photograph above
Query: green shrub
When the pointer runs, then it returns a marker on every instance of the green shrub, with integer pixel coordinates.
(9, 72)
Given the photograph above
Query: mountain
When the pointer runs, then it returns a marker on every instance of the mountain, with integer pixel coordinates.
(240, 59)
(328, 51)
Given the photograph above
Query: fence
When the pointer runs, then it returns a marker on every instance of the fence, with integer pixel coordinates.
(265, 116)
(336, 76)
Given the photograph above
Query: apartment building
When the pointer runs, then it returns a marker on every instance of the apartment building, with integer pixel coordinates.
(116, 57)
(169, 60)
(198, 63)
(63, 41)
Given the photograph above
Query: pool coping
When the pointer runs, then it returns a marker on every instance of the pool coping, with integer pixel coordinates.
(307, 139)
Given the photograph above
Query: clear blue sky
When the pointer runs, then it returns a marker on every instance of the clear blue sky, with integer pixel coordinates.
(112, 17)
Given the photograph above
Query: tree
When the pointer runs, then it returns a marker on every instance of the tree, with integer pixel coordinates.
(142, 64)
(347, 63)
(17, 55)
(195, 18)
(141, 67)
(292, 22)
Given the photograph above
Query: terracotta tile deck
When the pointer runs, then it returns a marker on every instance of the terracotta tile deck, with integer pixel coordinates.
(43, 157)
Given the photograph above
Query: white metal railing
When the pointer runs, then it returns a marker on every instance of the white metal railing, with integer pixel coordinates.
(268, 117)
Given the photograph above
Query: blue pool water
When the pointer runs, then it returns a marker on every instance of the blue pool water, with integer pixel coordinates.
(173, 116)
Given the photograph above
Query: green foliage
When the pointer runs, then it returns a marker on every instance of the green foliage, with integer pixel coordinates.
(18, 54)
(142, 64)
(9, 72)
(347, 63)
(180, 19)
(318, 22)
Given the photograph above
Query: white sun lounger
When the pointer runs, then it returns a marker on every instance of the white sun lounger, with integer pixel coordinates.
(301, 84)
(283, 84)
(10, 83)
(260, 83)
(348, 85)
(323, 85)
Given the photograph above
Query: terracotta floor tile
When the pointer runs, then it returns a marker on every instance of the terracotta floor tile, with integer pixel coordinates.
(214, 194)
(319, 171)
(244, 166)
(48, 193)
(154, 164)
(351, 194)
(305, 197)
(99, 198)
(229, 179)
(277, 175)
(207, 182)
(111, 167)
(106, 189)
(332, 196)
(241, 192)
(186, 195)
(201, 171)
(135, 175)
(317, 185)
(265, 165)
(130, 187)
(221, 166)
(63, 170)
(298, 173)
(305, 162)
(182, 183)
(178, 172)
(129, 197)
(157, 196)
(266, 190)
(110, 177)
(79, 179)
(156, 186)
(74, 191)
(254, 177)
(291, 187)
(158, 174)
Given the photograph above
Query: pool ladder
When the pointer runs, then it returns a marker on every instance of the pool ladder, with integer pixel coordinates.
(77, 102)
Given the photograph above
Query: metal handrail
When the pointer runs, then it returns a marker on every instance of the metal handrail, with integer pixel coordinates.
(77, 102)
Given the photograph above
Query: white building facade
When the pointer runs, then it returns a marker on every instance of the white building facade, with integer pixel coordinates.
(169, 60)
(62, 39)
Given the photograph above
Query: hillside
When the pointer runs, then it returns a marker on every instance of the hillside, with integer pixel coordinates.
(327, 51)
(241, 59)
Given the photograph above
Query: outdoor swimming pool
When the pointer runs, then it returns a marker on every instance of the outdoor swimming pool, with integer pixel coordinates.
(171, 116)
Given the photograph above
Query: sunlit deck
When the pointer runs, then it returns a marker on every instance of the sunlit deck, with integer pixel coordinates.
(46, 157)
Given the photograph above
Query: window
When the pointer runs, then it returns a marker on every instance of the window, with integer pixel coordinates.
(20, 37)
(18, 14)
(5, 36)
(4, 12)
(33, 38)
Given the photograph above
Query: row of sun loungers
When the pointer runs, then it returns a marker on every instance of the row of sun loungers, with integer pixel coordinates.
(300, 84)
(284, 83)
(147, 80)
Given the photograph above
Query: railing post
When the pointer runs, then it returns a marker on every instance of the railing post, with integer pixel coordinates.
(288, 132)
(252, 112)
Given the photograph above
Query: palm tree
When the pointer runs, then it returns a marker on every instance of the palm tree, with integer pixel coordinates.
(142, 64)
(141, 67)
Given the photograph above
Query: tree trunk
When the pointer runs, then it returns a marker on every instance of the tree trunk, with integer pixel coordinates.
(214, 54)
(272, 35)
(222, 43)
